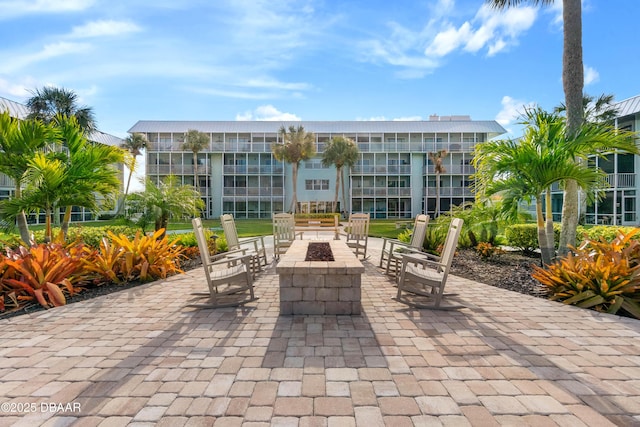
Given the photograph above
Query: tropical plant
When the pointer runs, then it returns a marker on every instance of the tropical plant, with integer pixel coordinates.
(340, 152)
(525, 169)
(20, 140)
(164, 200)
(43, 272)
(600, 275)
(49, 102)
(573, 83)
(144, 258)
(133, 144)
(83, 175)
(438, 167)
(297, 145)
(92, 179)
(195, 142)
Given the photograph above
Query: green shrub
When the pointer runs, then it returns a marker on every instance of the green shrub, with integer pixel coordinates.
(607, 232)
(90, 236)
(525, 236)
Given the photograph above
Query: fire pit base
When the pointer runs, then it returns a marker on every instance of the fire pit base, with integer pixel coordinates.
(320, 287)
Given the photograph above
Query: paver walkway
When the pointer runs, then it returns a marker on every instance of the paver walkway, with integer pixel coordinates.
(140, 357)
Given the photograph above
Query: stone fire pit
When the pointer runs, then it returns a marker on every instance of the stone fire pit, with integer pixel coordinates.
(320, 287)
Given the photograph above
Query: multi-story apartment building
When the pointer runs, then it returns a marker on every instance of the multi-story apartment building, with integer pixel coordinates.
(618, 203)
(7, 185)
(393, 177)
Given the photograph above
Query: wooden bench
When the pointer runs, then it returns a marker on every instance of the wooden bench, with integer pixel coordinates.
(318, 224)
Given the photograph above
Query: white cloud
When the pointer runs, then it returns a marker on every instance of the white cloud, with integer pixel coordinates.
(16, 89)
(420, 52)
(104, 28)
(511, 110)
(48, 51)
(496, 31)
(13, 8)
(591, 75)
(267, 113)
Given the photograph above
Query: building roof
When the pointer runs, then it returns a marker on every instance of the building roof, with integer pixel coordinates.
(15, 109)
(443, 125)
(629, 106)
(20, 111)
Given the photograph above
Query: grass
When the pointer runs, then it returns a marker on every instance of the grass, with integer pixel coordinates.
(245, 227)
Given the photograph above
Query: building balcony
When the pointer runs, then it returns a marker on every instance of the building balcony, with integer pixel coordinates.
(448, 192)
(621, 180)
(177, 169)
(253, 169)
(381, 170)
(450, 170)
(253, 191)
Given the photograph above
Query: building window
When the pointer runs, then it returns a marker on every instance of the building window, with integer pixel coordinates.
(316, 184)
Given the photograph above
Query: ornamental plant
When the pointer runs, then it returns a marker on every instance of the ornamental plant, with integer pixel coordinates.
(600, 275)
(145, 257)
(43, 272)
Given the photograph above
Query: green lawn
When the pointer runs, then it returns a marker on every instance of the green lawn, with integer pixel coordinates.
(246, 227)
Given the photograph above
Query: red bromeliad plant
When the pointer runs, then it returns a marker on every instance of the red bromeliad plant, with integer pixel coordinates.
(601, 275)
(43, 272)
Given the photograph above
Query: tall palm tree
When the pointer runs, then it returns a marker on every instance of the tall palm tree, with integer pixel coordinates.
(525, 169)
(437, 158)
(167, 199)
(133, 144)
(20, 140)
(573, 84)
(48, 102)
(195, 142)
(297, 145)
(340, 152)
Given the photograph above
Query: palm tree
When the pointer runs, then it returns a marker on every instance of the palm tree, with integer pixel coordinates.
(133, 144)
(91, 178)
(573, 84)
(340, 152)
(195, 142)
(525, 169)
(297, 145)
(46, 183)
(167, 199)
(48, 102)
(20, 140)
(438, 166)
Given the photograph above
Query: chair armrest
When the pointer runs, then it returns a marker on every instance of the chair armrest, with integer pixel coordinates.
(222, 255)
(422, 258)
(234, 259)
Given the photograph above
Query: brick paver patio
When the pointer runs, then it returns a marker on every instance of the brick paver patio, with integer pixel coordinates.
(141, 357)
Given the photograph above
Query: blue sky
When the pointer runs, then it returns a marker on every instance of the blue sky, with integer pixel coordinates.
(308, 59)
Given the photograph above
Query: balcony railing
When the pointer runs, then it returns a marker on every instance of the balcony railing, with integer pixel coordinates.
(381, 192)
(252, 191)
(382, 170)
(448, 191)
(451, 170)
(621, 180)
(253, 169)
(177, 169)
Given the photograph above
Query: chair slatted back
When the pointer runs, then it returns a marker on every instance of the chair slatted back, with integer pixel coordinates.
(284, 227)
(230, 232)
(358, 226)
(451, 243)
(419, 231)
